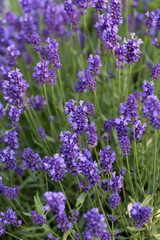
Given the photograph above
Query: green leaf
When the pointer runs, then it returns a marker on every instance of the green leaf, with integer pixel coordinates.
(65, 235)
(38, 205)
(27, 214)
(146, 200)
(50, 139)
(135, 229)
(80, 199)
(131, 199)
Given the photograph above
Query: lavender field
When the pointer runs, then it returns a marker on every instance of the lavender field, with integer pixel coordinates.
(79, 119)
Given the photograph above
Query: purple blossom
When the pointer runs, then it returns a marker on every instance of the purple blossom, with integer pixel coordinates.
(148, 89)
(151, 110)
(42, 133)
(56, 202)
(140, 214)
(52, 77)
(2, 111)
(139, 129)
(91, 135)
(31, 159)
(37, 218)
(94, 64)
(36, 41)
(121, 127)
(8, 157)
(99, 5)
(155, 72)
(132, 49)
(71, 13)
(115, 10)
(11, 192)
(84, 4)
(129, 109)
(11, 139)
(108, 125)
(96, 226)
(2, 229)
(77, 117)
(56, 168)
(115, 183)
(52, 50)
(107, 158)
(108, 32)
(70, 106)
(138, 20)
(135, 3)
(114, 200)
(38, 102)
(41, 73)
(120, 56)
(69, 151)
(125, 145)
(51, 118)
(81, 85)
(90, 109)
(14, 88)
(12, 53)
(26, 5)
(89, 170)
(14, 114)
(9, 217)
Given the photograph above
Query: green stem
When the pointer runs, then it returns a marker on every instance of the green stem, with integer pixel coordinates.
(135, 153)
(12, 235)
(154, 162)
(98, 106)
(130, 178)
(102, 209)
(59, 75)
(128, 82)
(69, 206)
(46, 97)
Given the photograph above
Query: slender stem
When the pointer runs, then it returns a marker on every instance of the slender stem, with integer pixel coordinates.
(59, 75)
(154, 162)
(69, 206)
(73, 58)
(135, 153)
(128, 82)
(54, 101)
(45, 93)
(17, 211)
(49, 229)
(12, 235)
(98, 106)
(102, 209)
(119, 81)
(130, 178)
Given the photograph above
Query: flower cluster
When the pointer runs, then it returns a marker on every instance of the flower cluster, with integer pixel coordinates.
(8, 218)
(14, 88)
(56, 202)
(107, 159)
(132, 49)
(37, 218)
(140, 214)
(87, 79)
(96, 226)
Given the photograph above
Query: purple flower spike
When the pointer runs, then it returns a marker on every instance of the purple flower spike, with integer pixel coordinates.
(107, 158)
(140, 214)
(37, 218)
(42, 134)
(114, 200)
(99, 5)
(52, 50)
(41, 73)
(132, 49)
(96, 226)
(155, 72)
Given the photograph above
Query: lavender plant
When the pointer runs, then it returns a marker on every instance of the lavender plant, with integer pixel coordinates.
(79, 156)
